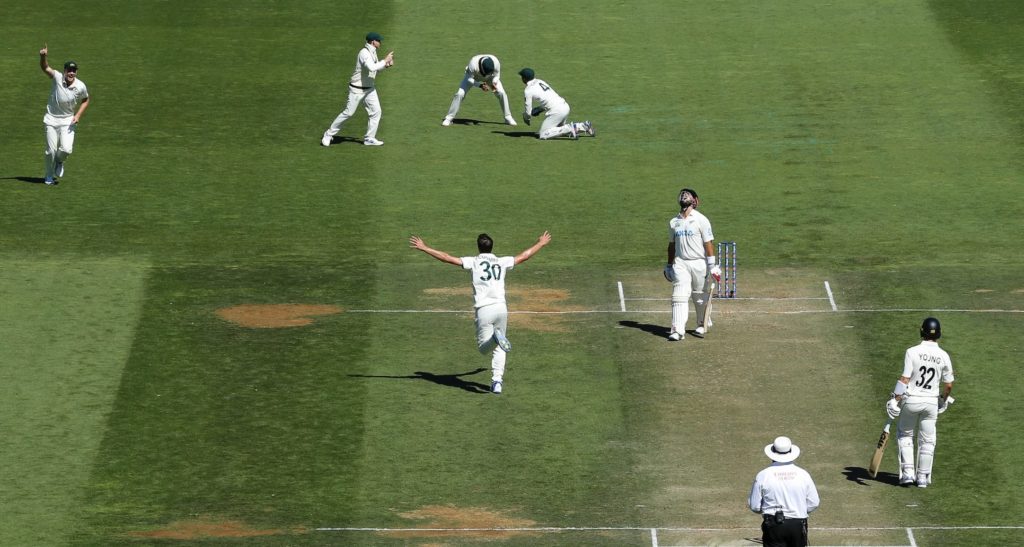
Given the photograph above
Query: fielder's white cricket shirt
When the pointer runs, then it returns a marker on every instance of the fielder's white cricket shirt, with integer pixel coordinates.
(64, 100)
(488, 273)
(367, 66)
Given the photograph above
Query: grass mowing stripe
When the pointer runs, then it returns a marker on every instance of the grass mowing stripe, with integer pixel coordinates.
(66, 327)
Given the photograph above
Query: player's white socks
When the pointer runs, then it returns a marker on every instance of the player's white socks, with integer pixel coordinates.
(498, 364)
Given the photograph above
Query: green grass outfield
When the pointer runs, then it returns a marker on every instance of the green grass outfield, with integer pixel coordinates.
(875, 146)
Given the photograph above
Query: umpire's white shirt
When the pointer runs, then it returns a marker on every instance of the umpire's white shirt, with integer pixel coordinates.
(488, 277)
(784, 487)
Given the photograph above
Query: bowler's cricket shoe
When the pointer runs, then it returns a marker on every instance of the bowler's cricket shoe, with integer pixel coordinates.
(510, 121)
(59, 169)
(674, 336)
(326, 140)
(50, 182)
(503, 342)
(446, 122)
(370, 141)
(496, 388)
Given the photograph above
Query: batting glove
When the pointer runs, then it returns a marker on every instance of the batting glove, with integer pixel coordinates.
(716, 272)
(944, 403)
(526, 118)
(669, 273)
(892, 408)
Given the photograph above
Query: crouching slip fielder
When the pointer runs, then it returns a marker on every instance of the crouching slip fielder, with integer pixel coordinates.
(483, 71)
(68, 100)
(553, 105)
(917, 401)
(488, 273)
(691, 253)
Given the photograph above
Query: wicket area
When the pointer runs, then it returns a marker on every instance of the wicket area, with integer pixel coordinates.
(727, 262)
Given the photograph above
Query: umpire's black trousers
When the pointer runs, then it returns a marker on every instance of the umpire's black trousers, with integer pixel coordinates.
(789, 533)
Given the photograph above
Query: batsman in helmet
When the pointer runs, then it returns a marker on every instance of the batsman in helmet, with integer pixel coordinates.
(691, 258)
(921, 394)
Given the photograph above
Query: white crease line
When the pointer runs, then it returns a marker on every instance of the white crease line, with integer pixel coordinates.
(910, 536)
(831, 300)
(622, 298)
(729, 312)
(654, 537)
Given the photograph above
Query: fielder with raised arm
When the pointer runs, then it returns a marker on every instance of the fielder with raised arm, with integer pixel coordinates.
(483, 71)
(488, 273)
(918, 399)
(691, 257)
(68, 100)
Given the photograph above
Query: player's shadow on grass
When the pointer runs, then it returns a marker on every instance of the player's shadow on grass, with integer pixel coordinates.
(449, 380)
(860, 476)
(519, 134)
(468, 121)
(30, 180)
(656, 330)
(338, 139)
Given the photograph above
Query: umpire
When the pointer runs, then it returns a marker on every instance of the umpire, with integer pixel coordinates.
(783, 494)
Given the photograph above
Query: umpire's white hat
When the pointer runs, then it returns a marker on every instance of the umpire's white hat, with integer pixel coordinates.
(782, 450)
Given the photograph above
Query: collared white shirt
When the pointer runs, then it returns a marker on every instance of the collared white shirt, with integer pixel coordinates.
(690, 234)
(367, 66)
(64, 99)
(926, 364)
(784, 487)
(539, 90)
(488, 273)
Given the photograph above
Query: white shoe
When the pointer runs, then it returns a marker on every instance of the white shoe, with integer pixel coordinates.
(50, 182)
(699, 332)
(496, 388)
(446, 122)
(326, 140)
(906, 480)
(574, 133)
(510, 121)
(503, 342)
(589, 128)
(59, 169)
(923, 480)
(675, 337)
(370, 141)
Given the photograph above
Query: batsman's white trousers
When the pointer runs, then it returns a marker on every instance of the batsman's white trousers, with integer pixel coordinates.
(689, 284)
(488, 318)
(919, 413)
(553, 120)
(372, 104)
(60, 142)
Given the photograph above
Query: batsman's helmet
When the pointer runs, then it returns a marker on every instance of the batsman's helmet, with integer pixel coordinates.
(692, 192)
(931, 329)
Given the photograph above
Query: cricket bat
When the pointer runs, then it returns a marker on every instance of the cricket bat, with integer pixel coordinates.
(707, 307)
(883, 440)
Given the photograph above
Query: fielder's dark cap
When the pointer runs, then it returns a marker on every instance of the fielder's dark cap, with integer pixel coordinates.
(527, 73)
(70, 65)
(486, 66)
(374, 36)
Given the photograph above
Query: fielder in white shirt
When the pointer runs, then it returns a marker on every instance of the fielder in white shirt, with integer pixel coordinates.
(917, 401)
(488, 274)
(783, 494)
(691, 257)
(483, 71)
(362, 87)
(554, 107)
(68, 100)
